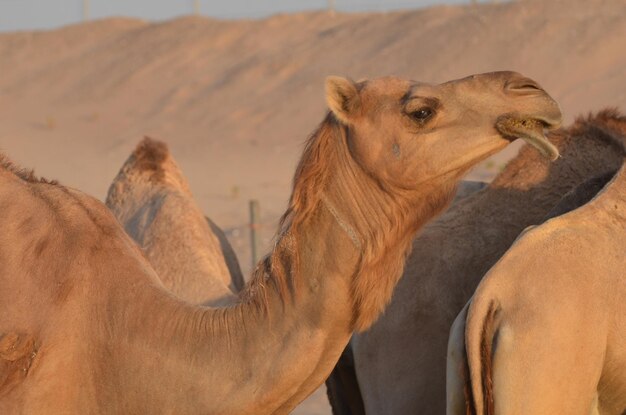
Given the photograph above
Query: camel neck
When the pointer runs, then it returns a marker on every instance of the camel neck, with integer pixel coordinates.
(282, 340)
(350, 231)
(382, 222)
(270, 351)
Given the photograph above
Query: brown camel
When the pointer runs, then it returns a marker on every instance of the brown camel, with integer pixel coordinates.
(545, 331)
(151, 198)
(400, 362)
(87, 327)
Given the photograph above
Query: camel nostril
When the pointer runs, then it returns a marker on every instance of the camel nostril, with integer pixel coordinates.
(522, 85)
(529, 86)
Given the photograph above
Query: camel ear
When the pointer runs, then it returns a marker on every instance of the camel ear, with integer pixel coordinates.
(343, 98)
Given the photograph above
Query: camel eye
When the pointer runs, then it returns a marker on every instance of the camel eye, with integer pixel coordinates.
(422, 114)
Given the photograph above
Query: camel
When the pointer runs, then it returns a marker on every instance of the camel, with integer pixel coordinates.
(400, 362)
(87, 326)
(151, 198)
(544, 331)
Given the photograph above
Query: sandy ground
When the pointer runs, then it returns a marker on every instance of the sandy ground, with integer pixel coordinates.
(235, 100)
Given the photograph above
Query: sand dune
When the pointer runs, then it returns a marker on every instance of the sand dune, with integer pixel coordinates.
(236, 99)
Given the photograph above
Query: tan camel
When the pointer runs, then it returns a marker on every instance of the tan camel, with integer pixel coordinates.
(400, 361)
(87, 327)
(151, 198)
(545, 330)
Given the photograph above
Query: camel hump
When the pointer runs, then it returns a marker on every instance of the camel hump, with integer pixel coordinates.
(150, 156)
(151, 162)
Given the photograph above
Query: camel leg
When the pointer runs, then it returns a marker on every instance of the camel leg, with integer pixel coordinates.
(342, 386)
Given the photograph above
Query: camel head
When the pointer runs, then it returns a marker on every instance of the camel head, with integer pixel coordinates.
(405, 133)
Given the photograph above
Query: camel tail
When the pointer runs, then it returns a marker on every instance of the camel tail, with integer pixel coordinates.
(342, 387)
(479, 339)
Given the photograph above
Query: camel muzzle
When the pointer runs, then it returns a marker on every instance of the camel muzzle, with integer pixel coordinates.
(531, 130)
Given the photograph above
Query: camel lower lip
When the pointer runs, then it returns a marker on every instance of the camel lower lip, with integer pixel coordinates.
(530, 130)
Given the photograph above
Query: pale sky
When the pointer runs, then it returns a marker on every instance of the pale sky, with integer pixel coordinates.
(43, 14)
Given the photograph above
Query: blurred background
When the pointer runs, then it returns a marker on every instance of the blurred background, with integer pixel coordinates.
(236, 87)
(39, 14)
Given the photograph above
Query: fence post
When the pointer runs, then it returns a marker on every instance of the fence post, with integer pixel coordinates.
(254, 234)
(196, 7)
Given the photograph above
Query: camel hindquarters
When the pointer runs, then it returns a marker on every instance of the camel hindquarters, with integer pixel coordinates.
(556, 372)
(536, 337)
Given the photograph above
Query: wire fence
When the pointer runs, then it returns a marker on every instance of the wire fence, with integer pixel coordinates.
(252, 240)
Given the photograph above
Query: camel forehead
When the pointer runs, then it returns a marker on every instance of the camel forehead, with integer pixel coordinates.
(497, 78)
(391, 86)
(386, 87)
(380, 90)
(383, 92)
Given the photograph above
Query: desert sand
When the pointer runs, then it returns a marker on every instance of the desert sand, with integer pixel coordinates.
(235, 100)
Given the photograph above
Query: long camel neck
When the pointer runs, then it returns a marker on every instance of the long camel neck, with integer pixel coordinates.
(338, 254)
(263, 355)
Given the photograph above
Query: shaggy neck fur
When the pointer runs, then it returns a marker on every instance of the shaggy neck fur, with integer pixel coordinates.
(380, 220)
